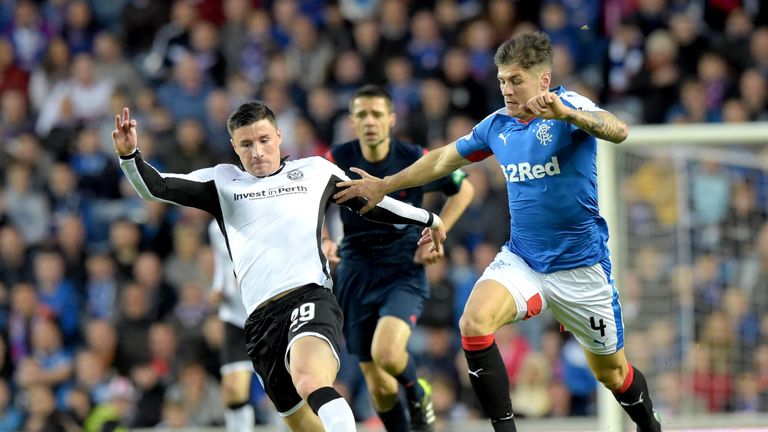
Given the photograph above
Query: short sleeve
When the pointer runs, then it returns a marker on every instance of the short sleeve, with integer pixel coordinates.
(474, 146)
(578, 102)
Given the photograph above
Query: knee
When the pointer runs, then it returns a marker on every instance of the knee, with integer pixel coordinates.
(475, 324)
(389, 358)
(307, 381)
(612, 378)
(305, 384)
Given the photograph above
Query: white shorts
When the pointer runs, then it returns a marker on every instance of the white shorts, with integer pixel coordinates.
(583, 300)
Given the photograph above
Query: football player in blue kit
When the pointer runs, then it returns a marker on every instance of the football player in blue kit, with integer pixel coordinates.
(557, 256)
(381, 283)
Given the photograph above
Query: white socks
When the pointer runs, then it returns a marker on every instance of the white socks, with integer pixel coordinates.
(239, 419)
(337, 416)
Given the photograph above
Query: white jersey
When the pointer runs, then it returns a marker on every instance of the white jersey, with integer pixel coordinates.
(231, 308)
(271, 224)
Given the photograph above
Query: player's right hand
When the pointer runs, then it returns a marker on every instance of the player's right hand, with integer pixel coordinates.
(369, 187)
(546, 105)
(424, 255)
(124, 136)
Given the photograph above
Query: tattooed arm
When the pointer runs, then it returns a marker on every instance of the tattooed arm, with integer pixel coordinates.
(600, 124)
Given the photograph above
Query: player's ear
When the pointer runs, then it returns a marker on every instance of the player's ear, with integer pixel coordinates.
(546, 79)
(279, 134)
(392, 119)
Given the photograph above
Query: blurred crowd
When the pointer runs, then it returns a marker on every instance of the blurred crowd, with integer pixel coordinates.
(103, 308)
(697, 275)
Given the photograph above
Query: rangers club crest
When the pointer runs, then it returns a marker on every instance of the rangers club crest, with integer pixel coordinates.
(543, 135)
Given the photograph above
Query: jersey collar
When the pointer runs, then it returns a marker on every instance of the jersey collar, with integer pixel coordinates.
(277, 171)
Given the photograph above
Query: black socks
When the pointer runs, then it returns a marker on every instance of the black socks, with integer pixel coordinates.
(490, 382)
(634, 399)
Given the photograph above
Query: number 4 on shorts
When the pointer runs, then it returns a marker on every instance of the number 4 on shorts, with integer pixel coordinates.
(595, 326)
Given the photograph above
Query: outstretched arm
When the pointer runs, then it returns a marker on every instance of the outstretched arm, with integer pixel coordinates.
(392, 211)
(431, 166)
(600, 124)
(193, 190)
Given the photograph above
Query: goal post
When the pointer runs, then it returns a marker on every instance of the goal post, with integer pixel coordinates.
(679, 148)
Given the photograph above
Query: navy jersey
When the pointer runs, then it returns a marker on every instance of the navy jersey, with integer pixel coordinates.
(364, 240)
(551, 173)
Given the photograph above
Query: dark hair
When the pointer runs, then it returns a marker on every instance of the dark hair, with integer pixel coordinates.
(526, 49)
(372, 91)
(249, 113)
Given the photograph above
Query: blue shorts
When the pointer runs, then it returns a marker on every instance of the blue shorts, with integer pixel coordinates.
(368, 292)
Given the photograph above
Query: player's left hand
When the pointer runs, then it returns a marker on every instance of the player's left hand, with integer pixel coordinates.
(425, 255)
(436, 236)
(546, 105)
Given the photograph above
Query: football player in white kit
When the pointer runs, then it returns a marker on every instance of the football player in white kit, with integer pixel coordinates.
(271, 212)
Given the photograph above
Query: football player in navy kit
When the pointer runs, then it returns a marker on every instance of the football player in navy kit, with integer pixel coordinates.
(381, 283)
(557, 255)
(270, 211)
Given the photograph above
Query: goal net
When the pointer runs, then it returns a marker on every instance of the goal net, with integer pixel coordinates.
(686, 206)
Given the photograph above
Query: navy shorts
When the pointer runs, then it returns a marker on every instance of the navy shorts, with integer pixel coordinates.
(368, 292)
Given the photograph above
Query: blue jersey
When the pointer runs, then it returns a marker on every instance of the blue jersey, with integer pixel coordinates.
(366, 240)
(551, 171)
